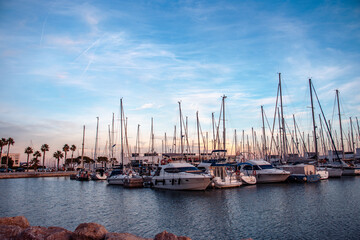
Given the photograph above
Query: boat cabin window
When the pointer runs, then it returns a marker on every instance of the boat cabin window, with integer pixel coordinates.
(250, 168)
(266, 166)
(183, 169)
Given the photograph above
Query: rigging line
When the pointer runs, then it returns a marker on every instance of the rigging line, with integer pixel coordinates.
(327, 126)
(272, 135)
(292, 138)
(301, 136)
(333, 113)
(273, 128)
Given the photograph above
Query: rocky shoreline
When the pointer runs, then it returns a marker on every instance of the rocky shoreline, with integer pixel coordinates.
(18, 228)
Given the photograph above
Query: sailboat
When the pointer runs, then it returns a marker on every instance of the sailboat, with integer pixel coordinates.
(98, 173)
(83, 174)
(118, 179)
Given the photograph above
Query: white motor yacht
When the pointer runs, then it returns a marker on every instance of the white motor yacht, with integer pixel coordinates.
(180, 176)
(265, 172)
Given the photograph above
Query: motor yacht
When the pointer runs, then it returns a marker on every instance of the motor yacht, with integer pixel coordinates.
(180, 176)
(265, 172)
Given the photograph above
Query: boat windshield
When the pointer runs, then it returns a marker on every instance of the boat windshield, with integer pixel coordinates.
(266, 166)
(183, 169)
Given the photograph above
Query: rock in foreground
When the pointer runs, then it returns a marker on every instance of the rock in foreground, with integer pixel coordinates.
(18, 228)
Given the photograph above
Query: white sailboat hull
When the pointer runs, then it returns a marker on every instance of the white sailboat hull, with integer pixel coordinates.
(271, 177)
(335, 172)
(116, 180)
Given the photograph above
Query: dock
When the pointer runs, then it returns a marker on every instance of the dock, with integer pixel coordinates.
(35, 174)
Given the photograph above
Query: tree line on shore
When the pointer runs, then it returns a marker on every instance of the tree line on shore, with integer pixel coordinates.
(34, 163)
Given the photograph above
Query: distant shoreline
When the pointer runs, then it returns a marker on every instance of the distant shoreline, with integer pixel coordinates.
(35, 174)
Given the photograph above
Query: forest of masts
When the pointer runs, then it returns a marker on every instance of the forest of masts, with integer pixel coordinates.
(278, 138)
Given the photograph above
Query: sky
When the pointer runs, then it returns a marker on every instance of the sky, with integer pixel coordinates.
(64, 63)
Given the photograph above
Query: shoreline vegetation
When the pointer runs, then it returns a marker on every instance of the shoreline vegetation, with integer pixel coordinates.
(19, 228)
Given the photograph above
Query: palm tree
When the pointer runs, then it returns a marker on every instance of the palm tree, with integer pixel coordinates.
(58, 154)
(72, 148)
(66, 148)
(3, 143)
(9, 141)
(44, 148)
(37, 154)
(28, 151)
(102, 160)
(35, 162)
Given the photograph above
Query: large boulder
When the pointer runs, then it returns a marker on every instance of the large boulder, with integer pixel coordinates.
(169, 236)
(43, 233)
(9, 232)
(20, 221)
(90, 231)
(123, 236)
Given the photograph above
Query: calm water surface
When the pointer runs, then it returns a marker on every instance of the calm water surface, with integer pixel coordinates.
(326, 210)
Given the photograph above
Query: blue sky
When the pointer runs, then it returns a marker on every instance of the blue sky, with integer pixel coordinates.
(63, 63)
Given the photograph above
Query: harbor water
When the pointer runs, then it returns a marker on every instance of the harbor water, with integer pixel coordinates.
(329, 209)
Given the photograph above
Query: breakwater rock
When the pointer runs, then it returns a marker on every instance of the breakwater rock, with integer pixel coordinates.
(18, 228)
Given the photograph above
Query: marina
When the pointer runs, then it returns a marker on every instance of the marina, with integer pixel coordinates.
(328, 209)
(180, 119)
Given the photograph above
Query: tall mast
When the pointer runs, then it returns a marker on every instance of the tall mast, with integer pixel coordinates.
(322, 135)
(279, 138)
(137, 145)
(174, 140)
(282, 120)
(352, 136)
(264, 136)
(296, 138)
(82, 149)
(198, 134)
(341, 135)
(110, 144)
(165, 145)
(112, 140)
(235, 143)
(181, 135)
(358, 135)
(224, 134)
(243, 144)
(152, 136)
(96, 140)
(213, 128)
(314, 125)
(121, 127)
(253, 142)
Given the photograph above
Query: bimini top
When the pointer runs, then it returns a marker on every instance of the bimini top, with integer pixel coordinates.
(244, 163)
(258, 162)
